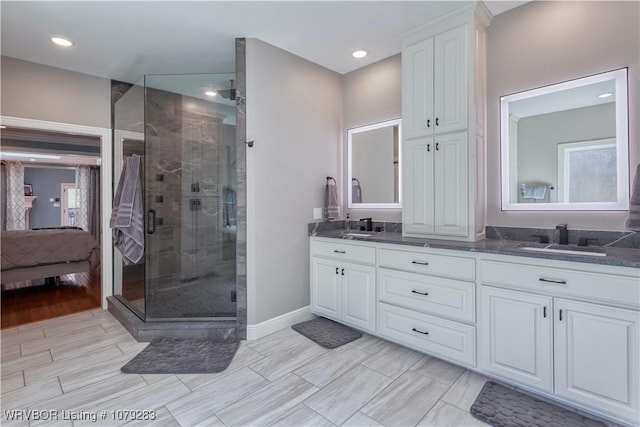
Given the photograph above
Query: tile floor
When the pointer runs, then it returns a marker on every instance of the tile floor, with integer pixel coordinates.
(71, 365)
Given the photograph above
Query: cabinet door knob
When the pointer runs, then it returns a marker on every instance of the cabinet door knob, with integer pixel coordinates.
(437, 124)
(437, 146)
(428, 147)
(544, 311)
(337, 269)
(560, 315)
(420, 262)
(420, 332)
(428, 123)
(343, 271)
(339, 252)
(420, 293)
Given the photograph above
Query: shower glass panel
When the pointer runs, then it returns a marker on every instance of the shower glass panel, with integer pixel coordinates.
(189, 197)
(128, 136)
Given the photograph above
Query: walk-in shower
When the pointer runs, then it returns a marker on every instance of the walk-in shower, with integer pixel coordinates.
(186, 134)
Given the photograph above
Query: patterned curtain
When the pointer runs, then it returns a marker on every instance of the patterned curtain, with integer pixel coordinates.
(87, 201)
(15, 196)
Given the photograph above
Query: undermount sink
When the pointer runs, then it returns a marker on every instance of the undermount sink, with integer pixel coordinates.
(557, 249)
(357, 235)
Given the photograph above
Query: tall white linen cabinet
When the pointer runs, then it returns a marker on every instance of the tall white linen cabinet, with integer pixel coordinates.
(443, 126)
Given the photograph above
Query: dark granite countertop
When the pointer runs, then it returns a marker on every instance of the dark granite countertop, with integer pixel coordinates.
(625, 257)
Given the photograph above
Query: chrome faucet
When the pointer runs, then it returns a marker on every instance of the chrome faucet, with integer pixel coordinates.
(369, 223)
(564, 234)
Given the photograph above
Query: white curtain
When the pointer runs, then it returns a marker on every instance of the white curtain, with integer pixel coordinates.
(15, 196)
(87, 212)
(83, 197)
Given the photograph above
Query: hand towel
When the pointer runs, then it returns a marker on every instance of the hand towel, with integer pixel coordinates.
(356, 191)
(127, 217)
(633, 221)
(332, 210)
(537, 192)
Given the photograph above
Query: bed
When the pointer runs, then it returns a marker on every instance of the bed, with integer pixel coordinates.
(37, 254)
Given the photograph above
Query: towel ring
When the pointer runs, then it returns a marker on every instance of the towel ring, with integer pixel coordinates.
(333, 179)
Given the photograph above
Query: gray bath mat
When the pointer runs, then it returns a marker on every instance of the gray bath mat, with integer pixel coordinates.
(327, 333)
(164, 356)
(503, 407)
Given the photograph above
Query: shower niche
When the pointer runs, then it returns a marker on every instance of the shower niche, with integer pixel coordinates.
(184, 128)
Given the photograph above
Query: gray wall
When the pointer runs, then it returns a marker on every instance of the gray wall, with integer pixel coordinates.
(372, 94)
(46, 184)
(294, 115)
(372, 153)
(40, 92)
(542, 43)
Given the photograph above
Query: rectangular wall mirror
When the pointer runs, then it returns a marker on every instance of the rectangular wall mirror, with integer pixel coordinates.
(565, 146)
(373, 167)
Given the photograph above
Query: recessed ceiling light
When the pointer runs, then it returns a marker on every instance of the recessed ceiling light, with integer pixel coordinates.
(210, 93)
(33, 160)
(31, 155)
(359, 54)
(605, 95)
(61, 41)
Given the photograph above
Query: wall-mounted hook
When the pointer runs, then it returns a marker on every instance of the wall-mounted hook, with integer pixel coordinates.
(249, 143)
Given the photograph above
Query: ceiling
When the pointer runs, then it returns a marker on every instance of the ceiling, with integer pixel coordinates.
(125, 40)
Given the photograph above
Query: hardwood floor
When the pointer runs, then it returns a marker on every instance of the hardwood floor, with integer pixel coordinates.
(76, 292)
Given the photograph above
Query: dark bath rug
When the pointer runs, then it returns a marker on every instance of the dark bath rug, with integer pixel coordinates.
(500, 406)
(165, 356)
(327, 333)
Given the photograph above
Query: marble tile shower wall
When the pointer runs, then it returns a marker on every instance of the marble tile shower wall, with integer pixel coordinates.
(185, 188)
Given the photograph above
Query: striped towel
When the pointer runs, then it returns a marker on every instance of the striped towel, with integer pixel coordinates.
(332, 210)
(127, 219)
(633, 222)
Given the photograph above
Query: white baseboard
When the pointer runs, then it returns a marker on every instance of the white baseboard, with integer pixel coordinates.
(270, 326)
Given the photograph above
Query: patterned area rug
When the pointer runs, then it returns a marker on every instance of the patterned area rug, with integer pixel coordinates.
(503, 407)
(327, 333)
(164, 356)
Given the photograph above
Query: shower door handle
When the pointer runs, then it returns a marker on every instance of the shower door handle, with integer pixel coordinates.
(151, 221)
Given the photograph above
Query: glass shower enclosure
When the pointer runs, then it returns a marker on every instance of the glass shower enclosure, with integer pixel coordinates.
(184, 129)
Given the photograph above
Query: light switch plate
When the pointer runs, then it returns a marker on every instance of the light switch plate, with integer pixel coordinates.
(317, 213)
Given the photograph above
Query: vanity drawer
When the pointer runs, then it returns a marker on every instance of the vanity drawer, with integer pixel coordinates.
(433, 335)
(559, 281)
(419, 262)
(428, 294)
(342, 251)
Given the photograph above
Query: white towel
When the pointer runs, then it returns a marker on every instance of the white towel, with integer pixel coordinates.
(127, 216)
(537, 192)
(332, 210)
(633, 221)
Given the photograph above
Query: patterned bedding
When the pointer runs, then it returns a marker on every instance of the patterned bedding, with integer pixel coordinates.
(30, 248)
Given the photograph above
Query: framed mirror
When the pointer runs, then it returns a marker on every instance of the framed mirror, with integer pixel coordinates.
(565, 146)
(373, 166)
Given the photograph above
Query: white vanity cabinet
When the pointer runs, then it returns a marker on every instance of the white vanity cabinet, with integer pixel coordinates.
(343, 283)
(434, 79)
(427, 302)
(443, 125)
(436, 191)
(563, 328)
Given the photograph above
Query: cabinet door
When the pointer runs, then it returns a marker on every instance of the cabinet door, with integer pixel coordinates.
(596, 357)
(516, 336)
(451, 185)
(450, 80)
(359, 296)
(417, 185)
(325, 288)
(417, 89)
